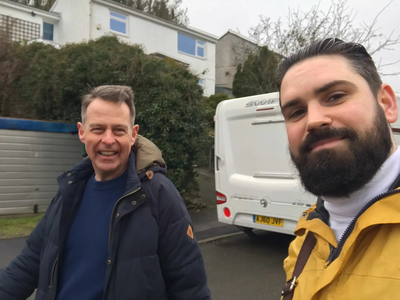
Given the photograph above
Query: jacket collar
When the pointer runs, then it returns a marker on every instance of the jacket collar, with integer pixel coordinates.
(83, 170)
(383, 211)
(145, 156)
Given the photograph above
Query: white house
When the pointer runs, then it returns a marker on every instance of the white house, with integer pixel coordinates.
(232, 49)
(71, 21)
(21, 22)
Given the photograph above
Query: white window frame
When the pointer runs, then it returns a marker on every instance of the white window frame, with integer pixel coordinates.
(119, 20)
(197, 45)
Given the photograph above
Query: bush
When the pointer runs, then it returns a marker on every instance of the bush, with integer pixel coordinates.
(38, 81)
(210, 104)
(257, 75)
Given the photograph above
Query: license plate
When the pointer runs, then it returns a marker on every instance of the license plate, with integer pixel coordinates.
(268, 221)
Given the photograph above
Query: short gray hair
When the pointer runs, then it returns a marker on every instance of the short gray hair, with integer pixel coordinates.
(113, 93)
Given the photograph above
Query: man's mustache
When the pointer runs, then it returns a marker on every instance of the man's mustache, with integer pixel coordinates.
(324, 133)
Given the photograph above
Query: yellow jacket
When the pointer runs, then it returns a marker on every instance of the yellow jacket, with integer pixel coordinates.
(368, 265)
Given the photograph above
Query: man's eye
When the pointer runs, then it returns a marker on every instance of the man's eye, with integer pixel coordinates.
(335, 97)
(97, 130)
(297, 113)
(119, 131)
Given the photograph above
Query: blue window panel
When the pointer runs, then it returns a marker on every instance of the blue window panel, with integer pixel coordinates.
(114, 14)
(118, 26)
(48, 31)
(200, 42)
(200, 51)
(186, 44)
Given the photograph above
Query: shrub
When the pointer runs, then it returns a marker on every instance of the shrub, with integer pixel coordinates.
(38, 81)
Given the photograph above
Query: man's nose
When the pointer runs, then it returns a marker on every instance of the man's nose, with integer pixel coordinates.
(108, 138)
(317, 117)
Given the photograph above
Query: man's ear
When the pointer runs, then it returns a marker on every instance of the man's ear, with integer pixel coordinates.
(135, 130)
(387, 100)
(81, 132)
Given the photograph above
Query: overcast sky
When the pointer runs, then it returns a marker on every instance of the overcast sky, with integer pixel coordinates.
(217, 16)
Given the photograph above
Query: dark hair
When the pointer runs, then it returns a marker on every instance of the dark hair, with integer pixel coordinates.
(113, 93)
(355, 53)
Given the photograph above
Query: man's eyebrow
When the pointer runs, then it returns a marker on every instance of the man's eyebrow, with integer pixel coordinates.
(291, 103)
(331, 84)
(95, 125)
(317, 92)
(121, 126)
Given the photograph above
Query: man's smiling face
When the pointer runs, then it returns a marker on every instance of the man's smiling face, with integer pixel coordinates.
(108, 136)
(337, 130)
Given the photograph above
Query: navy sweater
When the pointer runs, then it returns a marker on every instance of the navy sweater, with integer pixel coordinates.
(85, 257)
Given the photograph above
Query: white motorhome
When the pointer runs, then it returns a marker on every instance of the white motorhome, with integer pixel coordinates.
(256, 183)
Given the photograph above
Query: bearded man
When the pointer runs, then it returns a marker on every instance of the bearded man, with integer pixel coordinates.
(337, 113)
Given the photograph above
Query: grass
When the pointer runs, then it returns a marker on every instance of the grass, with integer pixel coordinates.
(18, 226)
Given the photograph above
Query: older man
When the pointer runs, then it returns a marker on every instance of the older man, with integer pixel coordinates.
(117, 228)
(337, 113)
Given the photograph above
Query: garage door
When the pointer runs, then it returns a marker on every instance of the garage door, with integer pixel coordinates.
(31, 161)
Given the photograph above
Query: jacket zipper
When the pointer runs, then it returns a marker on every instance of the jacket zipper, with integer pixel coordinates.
(350, 227)
(112, 216)
(51, 289)
(109, 235)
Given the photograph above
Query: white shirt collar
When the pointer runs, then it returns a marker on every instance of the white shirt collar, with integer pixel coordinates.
(343, 209)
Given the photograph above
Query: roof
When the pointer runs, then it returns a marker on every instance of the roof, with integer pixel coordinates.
(30, 9)
(138, 13)
(240, 36)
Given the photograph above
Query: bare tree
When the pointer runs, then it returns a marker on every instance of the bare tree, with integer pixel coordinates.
(42, 4)
(166, 9)
(305, 27)
(180, 14)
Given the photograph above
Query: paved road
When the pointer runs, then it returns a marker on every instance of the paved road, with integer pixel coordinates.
(9, 249)
(244, 268)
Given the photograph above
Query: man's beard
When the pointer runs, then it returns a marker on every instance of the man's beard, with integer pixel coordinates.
(339, 172)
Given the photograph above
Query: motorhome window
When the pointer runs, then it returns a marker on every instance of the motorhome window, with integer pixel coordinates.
(118, 22)
(191, 46)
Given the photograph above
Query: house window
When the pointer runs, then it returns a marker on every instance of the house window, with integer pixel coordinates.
(118, 22)
(189, 45)
(48, 31)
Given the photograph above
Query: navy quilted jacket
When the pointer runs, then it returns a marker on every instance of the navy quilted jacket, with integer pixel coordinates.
(151, 254)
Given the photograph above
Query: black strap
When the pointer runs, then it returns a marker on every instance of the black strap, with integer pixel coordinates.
(305, 251)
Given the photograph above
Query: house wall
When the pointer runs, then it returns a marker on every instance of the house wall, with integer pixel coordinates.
(30, 162)
(23, 12)
(17, 13)
(74, 25)
(231, 50)
(157, 37)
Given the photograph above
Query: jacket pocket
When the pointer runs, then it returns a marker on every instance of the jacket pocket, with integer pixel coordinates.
(139, 278)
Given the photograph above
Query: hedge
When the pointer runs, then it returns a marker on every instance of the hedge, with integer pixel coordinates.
(40, 82)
